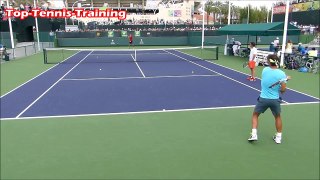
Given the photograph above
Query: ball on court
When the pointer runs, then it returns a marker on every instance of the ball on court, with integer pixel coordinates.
(163, 109)
(100, 69)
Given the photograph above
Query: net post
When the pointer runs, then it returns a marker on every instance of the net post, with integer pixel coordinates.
(45, 56)
(217, 51)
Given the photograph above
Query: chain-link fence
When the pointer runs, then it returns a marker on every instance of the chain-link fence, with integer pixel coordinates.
(28, 50)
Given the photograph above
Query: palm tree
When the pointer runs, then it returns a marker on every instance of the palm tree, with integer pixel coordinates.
(208, 9)
(224, 11)
(243, 14)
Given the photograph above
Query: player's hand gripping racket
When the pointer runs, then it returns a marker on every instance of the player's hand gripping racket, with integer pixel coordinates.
(280, 81)
(245, 64)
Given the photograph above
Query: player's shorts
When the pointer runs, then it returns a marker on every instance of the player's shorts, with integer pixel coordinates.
(263, 104)
(252, 64)
(130, 42)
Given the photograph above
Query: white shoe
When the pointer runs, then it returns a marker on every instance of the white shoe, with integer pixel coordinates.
(253, 137)
(277, 139)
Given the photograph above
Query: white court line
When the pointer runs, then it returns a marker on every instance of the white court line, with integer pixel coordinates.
(146, 112)
(36, 76)
(142, 53)
(247, 74)
(124, 54)
(110, 54)
(218, 73)
(138, 66)
(149, 77)
(52, 86)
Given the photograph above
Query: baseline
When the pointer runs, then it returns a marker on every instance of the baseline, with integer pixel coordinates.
(144, 112)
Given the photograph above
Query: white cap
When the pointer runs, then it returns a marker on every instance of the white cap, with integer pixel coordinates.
(277, 38)
(272, 43)
(299, 43)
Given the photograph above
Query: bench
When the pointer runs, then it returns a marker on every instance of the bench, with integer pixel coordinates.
(261, 57)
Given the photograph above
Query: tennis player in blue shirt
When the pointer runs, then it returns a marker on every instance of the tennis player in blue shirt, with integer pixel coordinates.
(273, 82)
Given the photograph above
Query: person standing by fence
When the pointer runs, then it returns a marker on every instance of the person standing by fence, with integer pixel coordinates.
(130, 40)
(252, 62)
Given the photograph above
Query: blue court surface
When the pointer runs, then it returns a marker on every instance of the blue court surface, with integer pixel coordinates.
(105, 82)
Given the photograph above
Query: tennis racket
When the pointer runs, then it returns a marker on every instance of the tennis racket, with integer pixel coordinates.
(245, 64)
(278, 82)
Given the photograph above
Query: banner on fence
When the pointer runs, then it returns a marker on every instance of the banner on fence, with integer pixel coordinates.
(124, 33)
(137, 33)
(110, 34)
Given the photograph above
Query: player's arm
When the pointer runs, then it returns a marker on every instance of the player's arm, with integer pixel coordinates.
(254, 55)
(283, 85)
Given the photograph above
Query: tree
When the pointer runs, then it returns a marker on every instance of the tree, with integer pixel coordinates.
(235, 14)
(264, 14)
(215, 10)
(243, 14)
(255, 15)
(224, 11)
(208, 9)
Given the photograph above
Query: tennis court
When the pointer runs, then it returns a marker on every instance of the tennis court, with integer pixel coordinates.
(74, 120)
(92, 82)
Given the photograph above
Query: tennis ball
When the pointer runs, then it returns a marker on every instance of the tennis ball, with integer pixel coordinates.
(100, 69)
(163, 109)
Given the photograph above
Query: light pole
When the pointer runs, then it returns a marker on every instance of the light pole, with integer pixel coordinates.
(10, 29)
(219, 13)
(36, 20)
(202, 35)
(229, 13)
(268, 16)
(65, 6)
(272, 13)
(73, 5)
(284, 38)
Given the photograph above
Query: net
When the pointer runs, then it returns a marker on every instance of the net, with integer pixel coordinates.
(69, 55)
